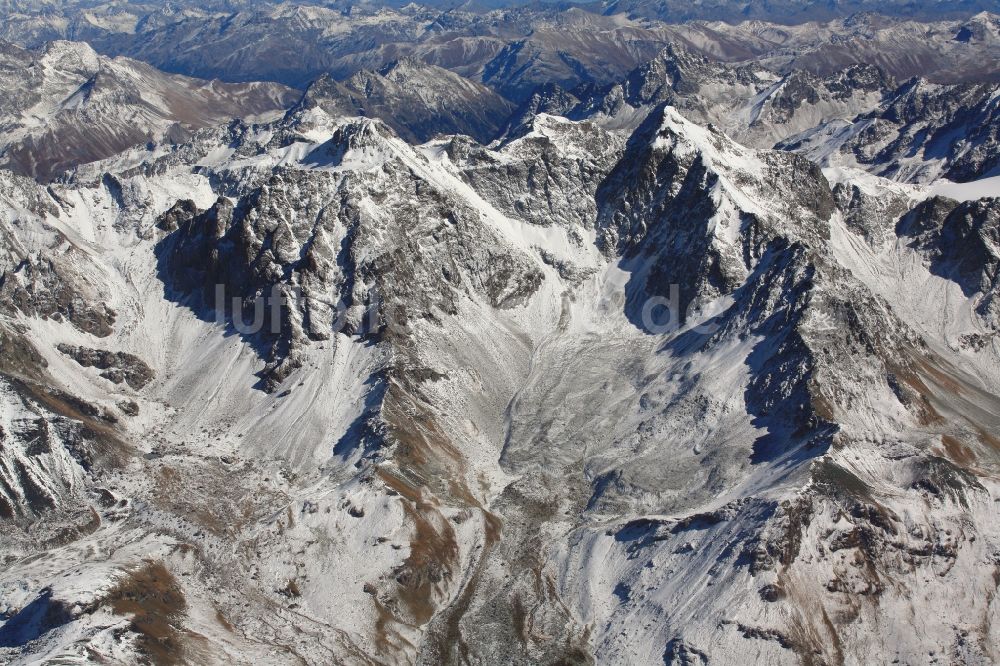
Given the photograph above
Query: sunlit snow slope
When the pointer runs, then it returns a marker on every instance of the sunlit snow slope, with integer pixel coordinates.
(465, 433)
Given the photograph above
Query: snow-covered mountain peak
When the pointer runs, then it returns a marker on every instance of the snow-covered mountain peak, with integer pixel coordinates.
(76, 57)
(74, 106)
(361, 143)
(984, 26)
(551, 127)
(756, 182)
(678, 134)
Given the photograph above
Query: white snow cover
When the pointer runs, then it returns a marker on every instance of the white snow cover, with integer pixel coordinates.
(563, 473)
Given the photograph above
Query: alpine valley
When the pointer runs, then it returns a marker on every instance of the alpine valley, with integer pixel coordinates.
(615, 333)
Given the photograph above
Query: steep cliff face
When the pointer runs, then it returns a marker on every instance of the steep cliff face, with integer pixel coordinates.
(642, 396)
(961, 242)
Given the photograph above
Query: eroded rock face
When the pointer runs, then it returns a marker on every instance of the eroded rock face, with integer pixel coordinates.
(50, 289)
(961, 241)
(548, 173)
(871, 215)
(116, 367)
(51, 283)
(312, 242)
(49, 442)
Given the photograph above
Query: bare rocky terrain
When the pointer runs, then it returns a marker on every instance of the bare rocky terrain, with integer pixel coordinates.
(684, 357)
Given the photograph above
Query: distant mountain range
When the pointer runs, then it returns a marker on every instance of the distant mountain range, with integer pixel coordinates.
(511, 50)
(74, 106)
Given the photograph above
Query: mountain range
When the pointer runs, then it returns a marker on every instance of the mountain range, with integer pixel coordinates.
(531, 335)
(512, 50)
(67, 106)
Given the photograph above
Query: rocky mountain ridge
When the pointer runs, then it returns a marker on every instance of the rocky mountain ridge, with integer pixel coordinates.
(922, 132)
(419, 101)
(400, 373)
(802, 465)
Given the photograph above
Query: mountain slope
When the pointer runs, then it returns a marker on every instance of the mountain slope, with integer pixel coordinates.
(467, 417)
(72, 106)
(922, 132)
(750, 103)
(417, 100)
(793, 12)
